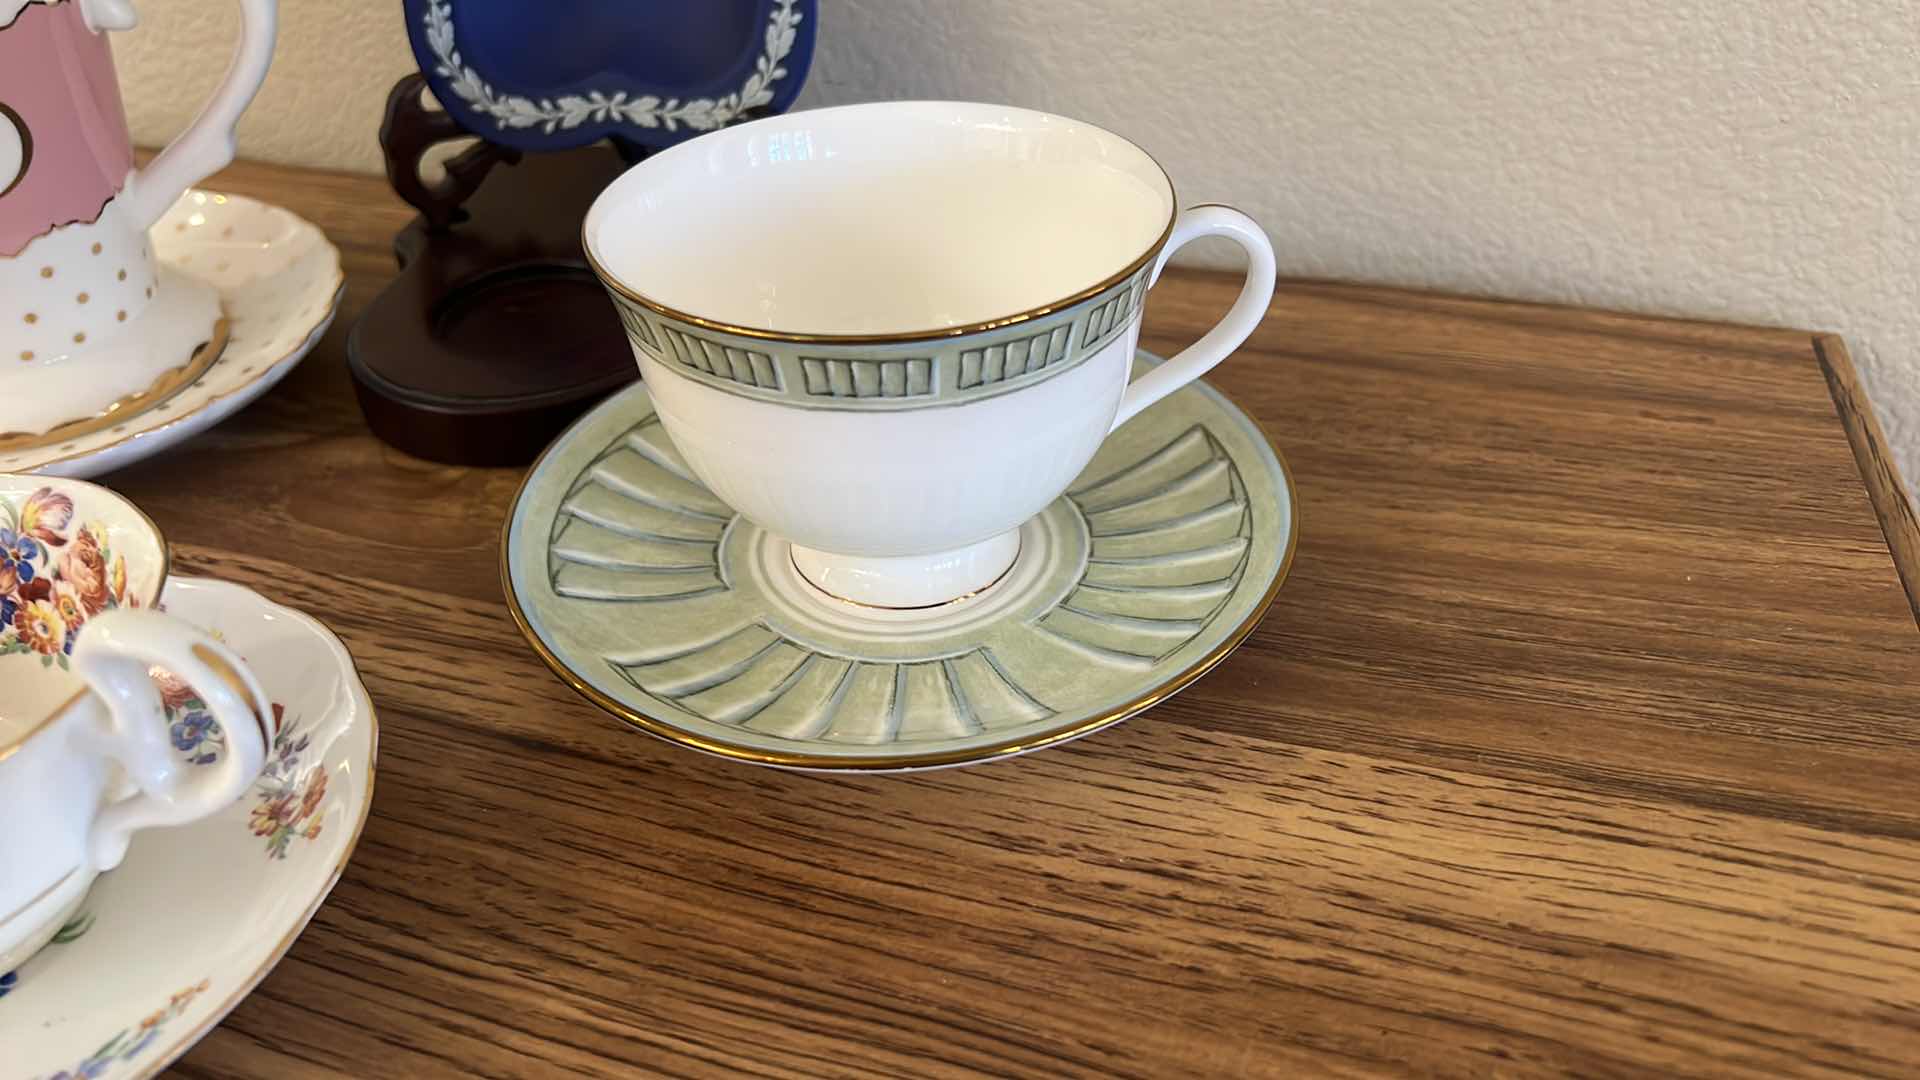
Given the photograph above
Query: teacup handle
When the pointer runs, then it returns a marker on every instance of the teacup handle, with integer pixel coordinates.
(207, 145)
(113, 654)
(1198, 358)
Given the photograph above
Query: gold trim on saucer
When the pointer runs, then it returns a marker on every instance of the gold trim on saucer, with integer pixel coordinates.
(333, 309)
(279, 951)
(880, 763)
(170, 382)
(247, 986)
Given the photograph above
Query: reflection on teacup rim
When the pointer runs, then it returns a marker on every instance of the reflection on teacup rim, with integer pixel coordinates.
(884, 222)
(69, 550)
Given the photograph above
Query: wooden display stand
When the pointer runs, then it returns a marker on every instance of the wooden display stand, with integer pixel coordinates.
(496, 334)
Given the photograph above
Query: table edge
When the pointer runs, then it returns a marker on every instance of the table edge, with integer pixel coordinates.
(1877, 470)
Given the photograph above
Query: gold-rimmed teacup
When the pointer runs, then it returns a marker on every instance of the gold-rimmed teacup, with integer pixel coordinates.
(86, 755)
(893, 333)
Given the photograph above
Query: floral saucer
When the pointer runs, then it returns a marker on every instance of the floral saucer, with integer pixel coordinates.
(279, 282)
(652, 598)
(167, 944)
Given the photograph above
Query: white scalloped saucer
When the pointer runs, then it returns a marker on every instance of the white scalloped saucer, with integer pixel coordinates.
(167, 944)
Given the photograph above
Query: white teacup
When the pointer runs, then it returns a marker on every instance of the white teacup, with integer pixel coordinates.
(86, 755)
(892, 333)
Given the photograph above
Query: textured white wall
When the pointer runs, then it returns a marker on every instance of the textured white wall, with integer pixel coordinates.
(1719, 158)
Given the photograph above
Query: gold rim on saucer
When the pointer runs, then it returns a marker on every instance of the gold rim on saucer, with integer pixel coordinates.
(266, 341)
(1161, 689)
(170, 383)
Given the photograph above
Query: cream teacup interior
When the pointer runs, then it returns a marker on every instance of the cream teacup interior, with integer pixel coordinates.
(895, 218)
(68, 551)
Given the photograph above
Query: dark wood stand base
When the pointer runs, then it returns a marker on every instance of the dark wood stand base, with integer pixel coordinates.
(496, 334)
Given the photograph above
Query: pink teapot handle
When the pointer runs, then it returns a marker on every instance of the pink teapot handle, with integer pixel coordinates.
(207, 144)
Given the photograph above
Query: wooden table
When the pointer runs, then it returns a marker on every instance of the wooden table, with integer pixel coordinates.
(1585, 738)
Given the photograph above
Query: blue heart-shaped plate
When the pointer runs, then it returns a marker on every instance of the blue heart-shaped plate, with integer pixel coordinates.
(565, 73)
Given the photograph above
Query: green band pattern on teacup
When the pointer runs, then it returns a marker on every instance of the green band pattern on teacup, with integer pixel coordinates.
(886, 376)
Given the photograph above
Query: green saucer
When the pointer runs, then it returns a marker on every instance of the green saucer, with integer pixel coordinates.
(651, 597)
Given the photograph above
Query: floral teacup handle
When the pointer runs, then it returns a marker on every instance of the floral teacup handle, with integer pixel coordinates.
(114, 653)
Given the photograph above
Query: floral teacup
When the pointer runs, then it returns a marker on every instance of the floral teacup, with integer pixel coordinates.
(86, 756)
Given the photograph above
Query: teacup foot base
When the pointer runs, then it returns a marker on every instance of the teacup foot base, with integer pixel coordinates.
(47, 916)
(909, 581)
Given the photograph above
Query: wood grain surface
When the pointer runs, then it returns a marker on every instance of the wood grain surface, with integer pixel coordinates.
(1889, 496)
(1584, 740)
